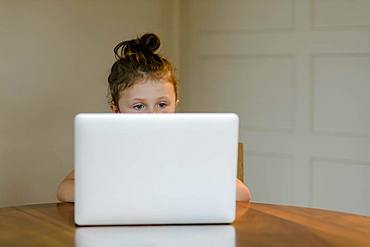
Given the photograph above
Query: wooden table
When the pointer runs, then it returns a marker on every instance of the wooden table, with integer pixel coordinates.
(256, 225)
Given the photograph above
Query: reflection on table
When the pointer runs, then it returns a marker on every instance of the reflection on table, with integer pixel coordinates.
(186, 236)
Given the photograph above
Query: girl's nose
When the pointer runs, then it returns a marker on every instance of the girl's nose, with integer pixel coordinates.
(153, 110)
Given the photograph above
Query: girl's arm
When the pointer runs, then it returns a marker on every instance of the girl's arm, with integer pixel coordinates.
(66, 188)
(242, 192)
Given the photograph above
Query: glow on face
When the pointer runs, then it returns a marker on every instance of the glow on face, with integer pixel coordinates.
(148, 97)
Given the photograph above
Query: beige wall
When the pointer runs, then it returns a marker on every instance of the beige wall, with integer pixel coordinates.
(55, 57)
(296, 72)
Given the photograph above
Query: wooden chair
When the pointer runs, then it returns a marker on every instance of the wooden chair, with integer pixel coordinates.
(240, 173)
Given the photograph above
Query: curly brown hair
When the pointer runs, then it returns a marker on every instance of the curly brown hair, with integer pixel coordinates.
(137, 61)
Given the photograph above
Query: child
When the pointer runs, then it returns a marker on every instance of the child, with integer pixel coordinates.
(140, 81)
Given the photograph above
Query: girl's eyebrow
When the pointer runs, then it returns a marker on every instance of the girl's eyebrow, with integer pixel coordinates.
(163, 97)
(138, 99)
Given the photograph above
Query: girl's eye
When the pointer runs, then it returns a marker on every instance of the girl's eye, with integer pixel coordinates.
(138, 107)
(162, 105)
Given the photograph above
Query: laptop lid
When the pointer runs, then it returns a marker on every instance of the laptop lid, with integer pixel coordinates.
(155, 168)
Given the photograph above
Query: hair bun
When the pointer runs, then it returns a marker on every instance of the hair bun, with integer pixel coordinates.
(150, 42)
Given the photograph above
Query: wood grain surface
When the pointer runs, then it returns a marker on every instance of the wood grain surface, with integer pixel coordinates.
(256, 225)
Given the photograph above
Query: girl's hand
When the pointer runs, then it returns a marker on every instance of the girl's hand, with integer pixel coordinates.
(242, 192)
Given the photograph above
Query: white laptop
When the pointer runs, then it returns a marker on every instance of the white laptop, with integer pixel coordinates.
(144, 169)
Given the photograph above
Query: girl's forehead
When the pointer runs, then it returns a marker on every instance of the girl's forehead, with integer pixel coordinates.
(149, 89)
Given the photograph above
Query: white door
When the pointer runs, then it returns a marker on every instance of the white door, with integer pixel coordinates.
(298, 75)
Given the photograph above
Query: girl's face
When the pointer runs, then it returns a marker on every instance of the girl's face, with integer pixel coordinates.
(147, 97)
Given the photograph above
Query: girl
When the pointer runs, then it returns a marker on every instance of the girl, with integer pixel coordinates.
(140, 81)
